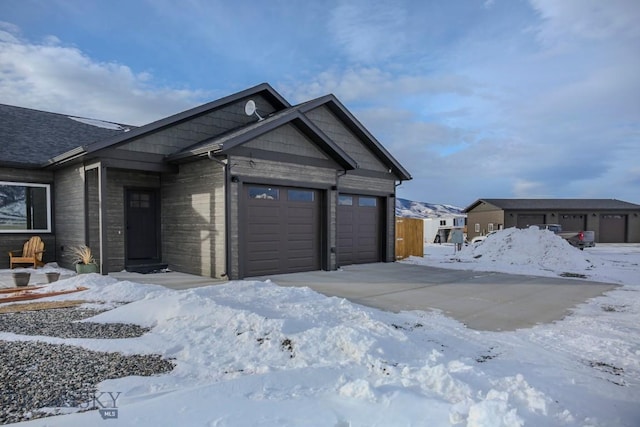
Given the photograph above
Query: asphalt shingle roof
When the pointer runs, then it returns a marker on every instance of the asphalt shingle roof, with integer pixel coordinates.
(31, 137)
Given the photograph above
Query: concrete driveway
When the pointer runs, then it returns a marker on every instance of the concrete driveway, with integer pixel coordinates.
(480, 300)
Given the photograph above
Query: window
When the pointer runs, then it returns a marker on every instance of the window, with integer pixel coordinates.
(140, 200)
(443, 222)
(477, 228)
(367, 201)
(345, 200)
(266, 193)
(490, 227)
(25, 207)
(301, 195)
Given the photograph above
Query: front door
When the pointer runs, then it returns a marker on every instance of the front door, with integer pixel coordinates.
(143, 225)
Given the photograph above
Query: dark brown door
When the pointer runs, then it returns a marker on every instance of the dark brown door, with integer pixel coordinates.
(282, 230)
(142, 225)
(358, 229)
(573, 222)
(613, 229)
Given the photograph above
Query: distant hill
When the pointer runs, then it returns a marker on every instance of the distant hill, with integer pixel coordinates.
(410, 209)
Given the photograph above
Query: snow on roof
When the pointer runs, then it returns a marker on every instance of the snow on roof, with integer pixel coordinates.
(99, 123)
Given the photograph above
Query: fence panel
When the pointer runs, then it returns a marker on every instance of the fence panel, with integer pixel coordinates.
(409, 237)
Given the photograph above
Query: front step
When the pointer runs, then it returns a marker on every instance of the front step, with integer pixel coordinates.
(146, 268)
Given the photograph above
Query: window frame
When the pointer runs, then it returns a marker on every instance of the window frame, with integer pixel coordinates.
(47, 188)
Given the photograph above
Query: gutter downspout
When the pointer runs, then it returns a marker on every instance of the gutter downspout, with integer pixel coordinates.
(227, 212)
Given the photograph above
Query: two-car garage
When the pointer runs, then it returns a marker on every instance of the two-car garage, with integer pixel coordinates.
(285, 229)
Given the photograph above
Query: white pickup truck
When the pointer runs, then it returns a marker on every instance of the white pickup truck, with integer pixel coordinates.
(579, 239)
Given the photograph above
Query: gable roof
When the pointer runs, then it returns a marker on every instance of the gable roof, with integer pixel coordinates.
(555, 204)
(72, 139)
(358, 129)
(31, 137)
(263, 89)
(223, 143)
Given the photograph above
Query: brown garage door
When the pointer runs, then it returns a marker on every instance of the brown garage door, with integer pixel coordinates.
(573, 222)
(358, 229)
(282, 230)
(525, 220)
(613, 229)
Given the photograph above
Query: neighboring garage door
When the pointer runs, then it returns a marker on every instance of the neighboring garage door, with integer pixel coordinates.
(524, 221)
(282, 230)
(358, 229)
(573, 222)
(613, 229)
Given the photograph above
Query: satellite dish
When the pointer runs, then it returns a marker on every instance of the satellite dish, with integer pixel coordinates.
(250, 109)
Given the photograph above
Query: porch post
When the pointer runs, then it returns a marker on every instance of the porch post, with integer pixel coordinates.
(104, 250)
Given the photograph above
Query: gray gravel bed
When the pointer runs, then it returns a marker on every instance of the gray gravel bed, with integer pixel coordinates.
(63, 323)
(35, 374)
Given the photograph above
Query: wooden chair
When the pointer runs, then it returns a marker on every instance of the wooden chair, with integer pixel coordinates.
(31, 253)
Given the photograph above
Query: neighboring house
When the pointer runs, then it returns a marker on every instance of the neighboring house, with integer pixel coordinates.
(613, 221)
(438, 230)
(439, 219)
(214, 191)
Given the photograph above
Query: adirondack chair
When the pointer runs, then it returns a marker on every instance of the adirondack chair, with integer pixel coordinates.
(31, 253)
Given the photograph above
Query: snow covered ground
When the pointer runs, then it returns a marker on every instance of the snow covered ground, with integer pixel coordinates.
(255, 354)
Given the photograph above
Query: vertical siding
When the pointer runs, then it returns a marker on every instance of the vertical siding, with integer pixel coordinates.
(193, 219)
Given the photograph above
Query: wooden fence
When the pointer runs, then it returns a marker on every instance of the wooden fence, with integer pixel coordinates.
(409, 237)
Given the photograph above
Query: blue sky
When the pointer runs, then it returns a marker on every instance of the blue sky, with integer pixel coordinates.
(477, 99)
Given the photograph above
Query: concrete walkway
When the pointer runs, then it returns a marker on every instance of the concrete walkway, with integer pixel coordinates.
(481, 300)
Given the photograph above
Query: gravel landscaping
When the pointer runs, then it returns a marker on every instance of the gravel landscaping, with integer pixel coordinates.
(36, 375)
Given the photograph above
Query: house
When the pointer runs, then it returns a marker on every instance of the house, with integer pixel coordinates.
(613, 221)
(243, 186)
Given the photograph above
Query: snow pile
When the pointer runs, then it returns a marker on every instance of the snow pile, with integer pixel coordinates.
(256, 354)
(530, 246)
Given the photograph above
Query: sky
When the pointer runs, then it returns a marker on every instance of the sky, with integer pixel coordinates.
(476, 99)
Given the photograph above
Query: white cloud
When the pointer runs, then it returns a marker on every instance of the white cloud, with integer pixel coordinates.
(587, 19)
(63, 79)
(369, 31)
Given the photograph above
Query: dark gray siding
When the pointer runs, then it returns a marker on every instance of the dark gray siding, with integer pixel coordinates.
(340, 134)
(15, 241)
(287, 139)
(193, 219)
(69, 212)
(182, 135)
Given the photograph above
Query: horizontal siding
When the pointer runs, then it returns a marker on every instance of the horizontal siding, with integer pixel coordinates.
(287, 139)
(69, 212)
(340, 134)
(193, 219)
(198, 129)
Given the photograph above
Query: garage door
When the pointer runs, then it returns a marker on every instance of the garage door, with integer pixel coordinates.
(358, 229)
(282, 230)
(613, 228)
(573, 222)
(524, 221)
